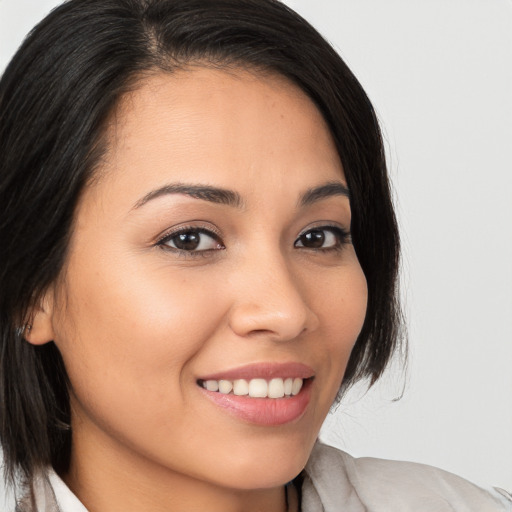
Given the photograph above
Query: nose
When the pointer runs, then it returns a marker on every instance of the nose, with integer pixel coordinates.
(271, 301)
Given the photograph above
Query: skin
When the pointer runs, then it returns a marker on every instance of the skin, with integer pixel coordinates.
(138, 322)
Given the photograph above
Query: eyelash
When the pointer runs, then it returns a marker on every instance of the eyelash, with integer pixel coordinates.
(341, 234)
(190, 230)
(342, 239)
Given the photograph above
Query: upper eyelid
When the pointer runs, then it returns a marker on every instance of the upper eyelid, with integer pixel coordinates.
(187, 228)
(325, 225)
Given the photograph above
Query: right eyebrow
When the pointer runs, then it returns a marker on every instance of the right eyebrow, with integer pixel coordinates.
(205, 192)
(329, 189)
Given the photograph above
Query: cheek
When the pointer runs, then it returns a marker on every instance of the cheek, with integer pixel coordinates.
(342, 311)
(128, 340)
(342, 306)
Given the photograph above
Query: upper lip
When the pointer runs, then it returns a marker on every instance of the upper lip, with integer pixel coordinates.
(263, 371)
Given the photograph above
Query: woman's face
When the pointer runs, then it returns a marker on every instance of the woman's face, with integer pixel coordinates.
(214, 246)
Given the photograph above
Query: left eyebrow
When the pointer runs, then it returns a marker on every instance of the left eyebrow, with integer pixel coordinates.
(203, 192)
(330, 189)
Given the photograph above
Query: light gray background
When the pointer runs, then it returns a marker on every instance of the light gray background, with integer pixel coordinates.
(439, 73)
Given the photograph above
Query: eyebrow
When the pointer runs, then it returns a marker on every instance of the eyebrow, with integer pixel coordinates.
(330, 189)
(231, 198)
(205, 192)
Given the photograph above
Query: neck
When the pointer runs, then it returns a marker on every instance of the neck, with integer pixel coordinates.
(110, 480)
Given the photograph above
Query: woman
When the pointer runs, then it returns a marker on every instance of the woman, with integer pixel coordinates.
(199, 254)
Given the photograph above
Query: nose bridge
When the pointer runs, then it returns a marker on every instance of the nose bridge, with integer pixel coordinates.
(269, 298)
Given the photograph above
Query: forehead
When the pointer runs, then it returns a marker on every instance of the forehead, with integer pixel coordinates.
(226, 128)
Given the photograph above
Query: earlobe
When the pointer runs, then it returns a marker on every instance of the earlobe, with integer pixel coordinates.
(38, 329)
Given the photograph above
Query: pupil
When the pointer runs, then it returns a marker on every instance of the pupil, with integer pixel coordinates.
(187, 241)
(313, 239)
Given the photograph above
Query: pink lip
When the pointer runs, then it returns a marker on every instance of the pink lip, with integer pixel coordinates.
(263, 371)
(264, 411)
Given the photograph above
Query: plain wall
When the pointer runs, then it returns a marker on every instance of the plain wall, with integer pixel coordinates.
(440, 75)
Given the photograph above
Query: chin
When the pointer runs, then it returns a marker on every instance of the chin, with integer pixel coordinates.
(266, 465)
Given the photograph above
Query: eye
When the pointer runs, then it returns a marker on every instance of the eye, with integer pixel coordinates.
(191, 240)
(324, 237)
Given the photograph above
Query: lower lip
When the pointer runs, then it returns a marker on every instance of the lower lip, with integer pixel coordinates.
(264, 411)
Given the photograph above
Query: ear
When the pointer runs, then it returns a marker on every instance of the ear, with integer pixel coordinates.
(39, 328)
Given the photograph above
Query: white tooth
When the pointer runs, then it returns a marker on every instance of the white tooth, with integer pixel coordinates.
(258, 388)
(240, 387)
(296, 387)
(288, 383)
(225, 386)
(212, 385)
(276, 388)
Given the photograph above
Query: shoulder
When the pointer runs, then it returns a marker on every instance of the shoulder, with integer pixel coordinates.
(333, 477)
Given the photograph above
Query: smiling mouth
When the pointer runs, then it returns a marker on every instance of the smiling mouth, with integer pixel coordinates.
(255, 388)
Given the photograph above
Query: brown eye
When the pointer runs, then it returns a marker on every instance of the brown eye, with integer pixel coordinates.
(192, 240)
(313, 239)
(329, 237)
(187, 241)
